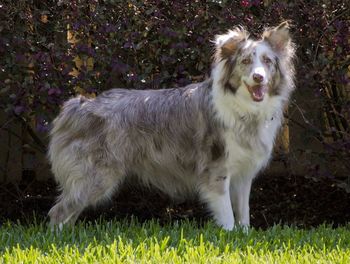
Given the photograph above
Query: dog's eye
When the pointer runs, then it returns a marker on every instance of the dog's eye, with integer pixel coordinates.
(267, 60)
(246, 61)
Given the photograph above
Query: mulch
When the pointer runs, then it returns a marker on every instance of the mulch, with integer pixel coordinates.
(284, 199)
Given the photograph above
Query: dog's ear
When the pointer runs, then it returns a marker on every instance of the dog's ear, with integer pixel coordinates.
(226, 45)
(278, 37)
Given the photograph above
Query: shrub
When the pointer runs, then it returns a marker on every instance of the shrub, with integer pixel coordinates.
(155, 44)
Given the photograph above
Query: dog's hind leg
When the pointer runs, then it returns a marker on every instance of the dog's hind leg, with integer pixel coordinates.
(81, 191)
(216, 194)
(64, 212)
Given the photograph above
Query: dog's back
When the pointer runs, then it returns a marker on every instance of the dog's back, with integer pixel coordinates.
(164, 137)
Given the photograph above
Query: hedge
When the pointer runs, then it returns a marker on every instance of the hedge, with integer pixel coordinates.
(158, 44)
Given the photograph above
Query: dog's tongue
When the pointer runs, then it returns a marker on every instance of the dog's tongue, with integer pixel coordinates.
(258, 93)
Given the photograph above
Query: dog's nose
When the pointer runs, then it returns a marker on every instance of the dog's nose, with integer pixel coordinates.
(258, 78)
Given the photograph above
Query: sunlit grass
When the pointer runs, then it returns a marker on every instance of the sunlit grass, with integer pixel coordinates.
(181, 242)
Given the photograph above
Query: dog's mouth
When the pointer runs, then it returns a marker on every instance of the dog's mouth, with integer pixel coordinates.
(257, 92)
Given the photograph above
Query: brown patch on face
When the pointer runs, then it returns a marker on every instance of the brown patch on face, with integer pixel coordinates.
(228, 68)
(217, 150)
(245, 58)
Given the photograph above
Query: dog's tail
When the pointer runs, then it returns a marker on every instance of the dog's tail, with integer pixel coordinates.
(68, 126)
(66, 120)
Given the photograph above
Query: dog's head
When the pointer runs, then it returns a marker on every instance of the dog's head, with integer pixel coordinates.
(255, 70)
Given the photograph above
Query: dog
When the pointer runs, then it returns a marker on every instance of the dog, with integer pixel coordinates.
(208, 139)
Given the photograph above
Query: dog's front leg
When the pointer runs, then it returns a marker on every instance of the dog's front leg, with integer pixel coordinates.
(216, 194)
(239, 192)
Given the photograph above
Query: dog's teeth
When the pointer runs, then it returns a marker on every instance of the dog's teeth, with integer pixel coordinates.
(258, 93)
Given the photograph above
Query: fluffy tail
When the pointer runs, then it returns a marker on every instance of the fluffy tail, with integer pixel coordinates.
(64, 129)
(68, 116)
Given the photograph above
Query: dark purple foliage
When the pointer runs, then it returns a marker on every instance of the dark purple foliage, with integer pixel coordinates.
(156, 44)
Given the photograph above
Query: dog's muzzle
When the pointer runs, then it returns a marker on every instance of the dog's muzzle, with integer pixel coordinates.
(257, 92)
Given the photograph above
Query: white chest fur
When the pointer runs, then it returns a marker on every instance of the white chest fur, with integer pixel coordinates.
(251, 128)
(248, 153)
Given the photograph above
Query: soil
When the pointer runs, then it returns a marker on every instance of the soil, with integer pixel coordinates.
(292, 200)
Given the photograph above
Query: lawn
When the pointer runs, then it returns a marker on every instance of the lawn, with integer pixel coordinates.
(129, 241)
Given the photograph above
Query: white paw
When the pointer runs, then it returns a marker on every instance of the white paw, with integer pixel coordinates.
(245, 229)
(228, 227)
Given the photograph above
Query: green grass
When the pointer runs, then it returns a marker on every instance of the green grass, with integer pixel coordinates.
(180, 242)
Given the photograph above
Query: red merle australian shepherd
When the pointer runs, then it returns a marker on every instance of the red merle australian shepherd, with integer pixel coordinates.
(209, 139)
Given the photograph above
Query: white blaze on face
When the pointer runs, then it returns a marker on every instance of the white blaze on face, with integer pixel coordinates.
(260, 70)
(259, 67)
